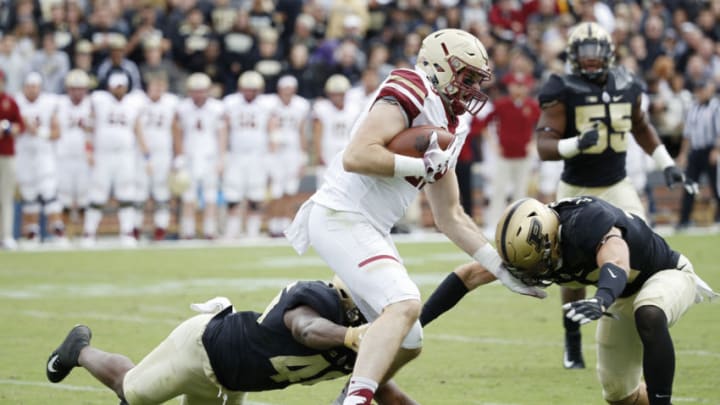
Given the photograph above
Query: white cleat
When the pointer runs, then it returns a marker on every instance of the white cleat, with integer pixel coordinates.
(128, 241)
(87, 242)
(9, 244)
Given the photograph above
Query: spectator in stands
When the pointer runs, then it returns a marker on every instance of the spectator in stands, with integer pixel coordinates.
(270, 63)
(12, 64)
(76, 23)
(508, 18)
(56, 23)
(51, 63)
(298, 67)
(154, 63)
(117, 62)
(103, 30)
(699, 151)
(238, 50)
(82, 59)
(190, 41)
(11, 125)
(145, 26)
(303, 32)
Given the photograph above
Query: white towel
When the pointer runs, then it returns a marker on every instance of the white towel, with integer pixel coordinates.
(298, 233)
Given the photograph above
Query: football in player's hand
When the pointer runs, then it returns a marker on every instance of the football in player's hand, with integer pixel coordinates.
(414, 141)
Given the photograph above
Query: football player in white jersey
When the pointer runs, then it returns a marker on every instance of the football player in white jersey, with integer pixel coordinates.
(332, 120)
(248, 112)
(288, 156)
(200, 139)
(71, 124)
(367, 189)
(112, 156)
(154, 126)
(36, 168)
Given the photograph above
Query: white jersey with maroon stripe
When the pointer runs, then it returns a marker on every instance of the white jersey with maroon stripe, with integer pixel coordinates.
(248, 123)
(73, 120)
(383, 200)
(200, 126)
(336, 126)
(291, 117)
(115, 121)
(156, 120)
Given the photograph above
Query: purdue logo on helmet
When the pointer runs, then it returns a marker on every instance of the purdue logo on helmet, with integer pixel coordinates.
(456, 63)
(527, 239)
(590, 51)
(352, 312)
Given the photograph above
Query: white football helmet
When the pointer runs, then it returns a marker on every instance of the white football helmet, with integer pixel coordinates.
(77, 78)
(527, 238)
(179, 181)
(251, 80)
(337, 83)
(456, 63)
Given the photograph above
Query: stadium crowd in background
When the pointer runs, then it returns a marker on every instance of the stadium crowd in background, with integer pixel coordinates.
(670, 45)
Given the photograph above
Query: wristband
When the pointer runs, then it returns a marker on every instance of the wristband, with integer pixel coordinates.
(406, 166)
(489, 258)
(568, 147)
(611, 283)
(662, 158)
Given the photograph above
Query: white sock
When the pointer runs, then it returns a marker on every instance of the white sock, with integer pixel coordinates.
(92, 220)
(232, 229)
(126, 217)
(187, 226)
(358, 384)
(254, 222)
(209, 225)
(162, 218)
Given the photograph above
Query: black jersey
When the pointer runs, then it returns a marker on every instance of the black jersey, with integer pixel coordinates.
(587, 104)
(249, 351)
(584, 221)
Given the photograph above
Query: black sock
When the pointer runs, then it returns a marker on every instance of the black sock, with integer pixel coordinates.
(570, 325)
(445, 296)
(658, 353)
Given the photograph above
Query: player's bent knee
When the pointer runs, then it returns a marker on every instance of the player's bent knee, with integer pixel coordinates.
(637, 397)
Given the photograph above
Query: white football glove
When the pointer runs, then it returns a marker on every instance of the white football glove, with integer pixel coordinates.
(436, 160)
(515, 285)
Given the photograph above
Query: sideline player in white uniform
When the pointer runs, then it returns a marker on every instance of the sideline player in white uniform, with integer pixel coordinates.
(332, 120)
(289, 152)
(154, 126)
(36, 168)
(112, 151)
(71, 123)
(248, 113)
(368, 188)
(200, 133)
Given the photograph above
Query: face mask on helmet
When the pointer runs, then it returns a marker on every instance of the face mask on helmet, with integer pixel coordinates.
(456, 63)
(352, 313)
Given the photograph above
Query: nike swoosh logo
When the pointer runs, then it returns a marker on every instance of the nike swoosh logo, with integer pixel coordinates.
(51, 364)
(612, 274)
(567, 363)
(617, 98)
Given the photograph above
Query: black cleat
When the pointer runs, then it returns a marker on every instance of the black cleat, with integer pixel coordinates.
(65, 357)
(572, 355)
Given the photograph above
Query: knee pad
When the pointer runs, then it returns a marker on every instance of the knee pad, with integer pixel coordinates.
(126, 204)
(30, 207)
(254, 205)
(649, 320)
(139, 205)
(414, 338)
(232, 204)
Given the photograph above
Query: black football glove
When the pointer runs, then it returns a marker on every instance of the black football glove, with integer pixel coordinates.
(588, 139)
(584, 311)
(674, 175)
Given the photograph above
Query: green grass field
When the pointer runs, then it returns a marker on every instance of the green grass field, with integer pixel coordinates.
(494, 348)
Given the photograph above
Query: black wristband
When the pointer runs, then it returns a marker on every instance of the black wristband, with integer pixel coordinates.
(611, 283)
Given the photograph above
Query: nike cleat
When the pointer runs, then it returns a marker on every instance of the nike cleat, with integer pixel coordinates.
(65, 357)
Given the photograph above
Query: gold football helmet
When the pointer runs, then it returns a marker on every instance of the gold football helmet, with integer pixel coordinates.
(77, 79)
(179, 181)
(198, 81)
(590, 51)
(456, 63)
(351, 310)
(337, 83)
(527, 239)
(251, 80)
